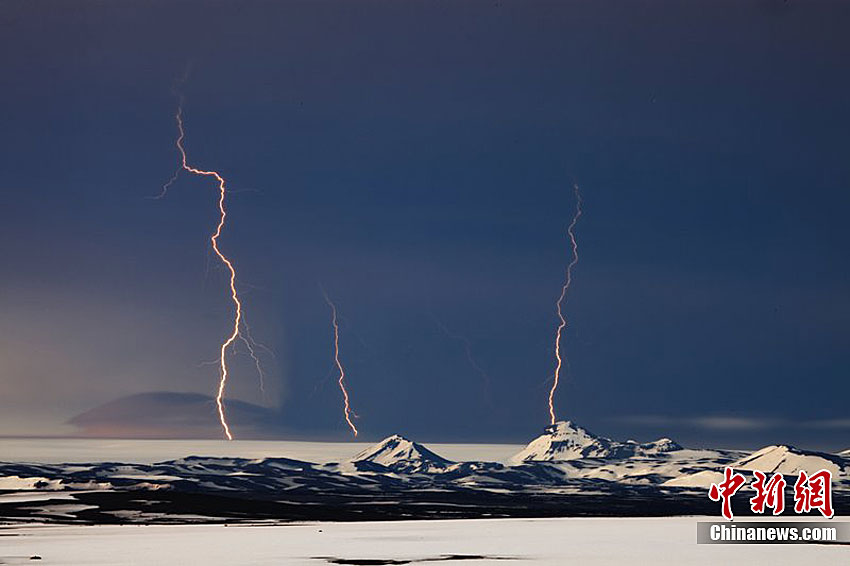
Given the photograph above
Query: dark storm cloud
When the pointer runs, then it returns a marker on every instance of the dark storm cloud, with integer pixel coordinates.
(417, 160)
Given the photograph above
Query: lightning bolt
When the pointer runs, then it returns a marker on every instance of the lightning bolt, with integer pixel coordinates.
(234, 295)
(252, 346)
(467, 346)
(176, 90)
(167, 185)
(347, 412)
(563, 321)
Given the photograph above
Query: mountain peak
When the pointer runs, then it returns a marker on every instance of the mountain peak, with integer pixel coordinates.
(790, 460)
(774, 459)
(566, 440)
(402, 455)
(565, 429)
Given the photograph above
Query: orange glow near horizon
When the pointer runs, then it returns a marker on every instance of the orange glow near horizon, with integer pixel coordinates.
(563, 321)
(347, 412)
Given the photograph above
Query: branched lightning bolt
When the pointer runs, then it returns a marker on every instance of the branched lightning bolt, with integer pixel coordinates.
(347, 403)
(176, 90)
(237, 319)
(467, 346)
(253, 346)
(167, 185)
(563, 321)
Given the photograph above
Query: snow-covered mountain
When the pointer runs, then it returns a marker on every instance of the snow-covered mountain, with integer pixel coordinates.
(789, 460)
(402, 455)
(566, 440)
(567, 470)
(782, 459)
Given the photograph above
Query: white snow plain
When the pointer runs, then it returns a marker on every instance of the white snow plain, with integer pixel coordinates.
(496, 541)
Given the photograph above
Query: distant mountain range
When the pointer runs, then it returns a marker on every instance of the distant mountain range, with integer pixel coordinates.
(566, 471)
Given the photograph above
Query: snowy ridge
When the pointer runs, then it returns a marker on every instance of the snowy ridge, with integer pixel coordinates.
(398, 478)
(566, 440)
(788, 460)
(775, 459)
(402, 455)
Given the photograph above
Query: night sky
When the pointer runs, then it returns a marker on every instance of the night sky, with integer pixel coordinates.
(417, 160)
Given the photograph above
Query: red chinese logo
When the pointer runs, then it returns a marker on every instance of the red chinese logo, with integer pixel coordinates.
(731, 483)
(814, 492)
(770, 494)
(810, 492)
